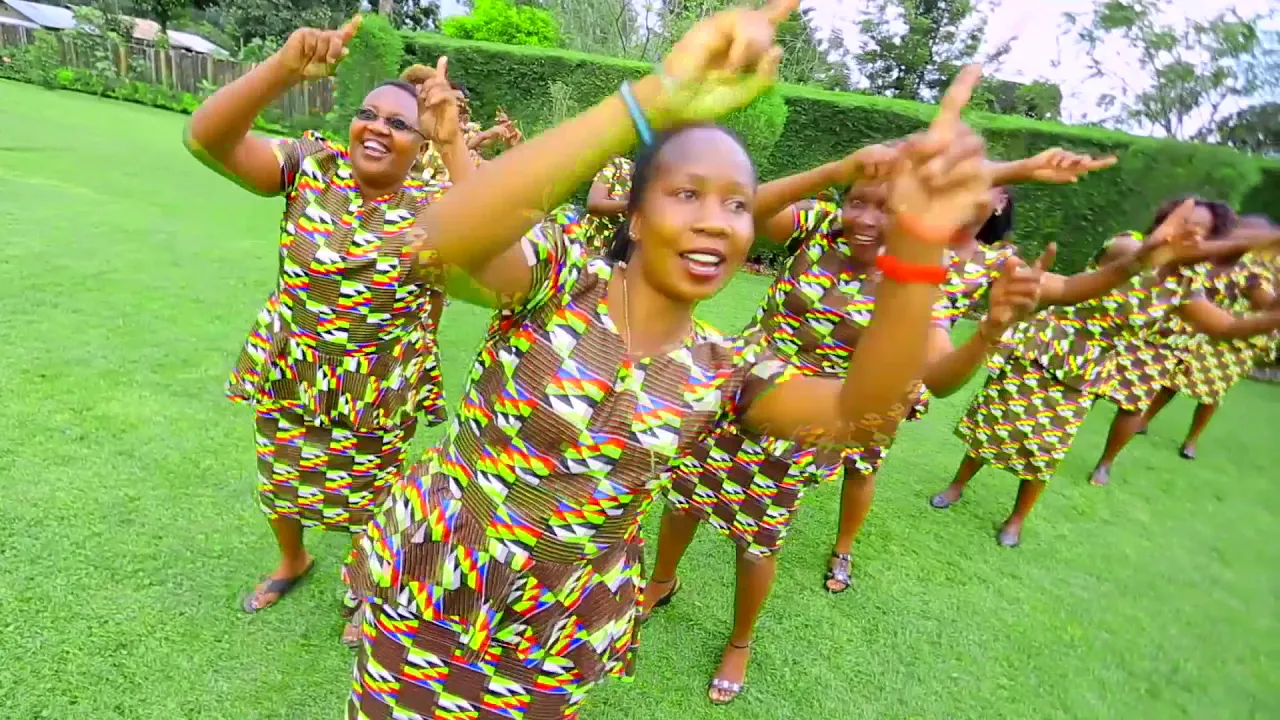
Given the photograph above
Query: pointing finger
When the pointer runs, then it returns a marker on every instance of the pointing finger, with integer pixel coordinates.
(957, 98)
(442, 67)
(779, 10)
(1045, 261)
(351, 27)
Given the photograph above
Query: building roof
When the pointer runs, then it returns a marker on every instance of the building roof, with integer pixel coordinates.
(194, 43)
(48, 16)
(20, 23)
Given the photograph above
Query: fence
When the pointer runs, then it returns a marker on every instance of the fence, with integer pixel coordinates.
(180, 70)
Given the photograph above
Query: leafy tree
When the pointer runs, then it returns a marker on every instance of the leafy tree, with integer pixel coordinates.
(419, 15)
(1194, 69)
(272, 21)
(912, 49)
(605, 27)
(1254, 129)
(807, 60)
(502, 21)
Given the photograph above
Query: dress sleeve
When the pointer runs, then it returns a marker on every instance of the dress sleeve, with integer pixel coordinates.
(811, 216)
(757, 370)
(291, 154)
(557, 255)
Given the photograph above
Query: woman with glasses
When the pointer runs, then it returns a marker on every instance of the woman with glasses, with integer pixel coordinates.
(343, 359)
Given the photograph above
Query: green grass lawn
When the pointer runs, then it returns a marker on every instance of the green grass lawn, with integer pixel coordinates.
(130, 277)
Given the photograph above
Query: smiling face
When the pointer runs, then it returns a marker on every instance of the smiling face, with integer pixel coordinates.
(863, 219)
(385, 139)
(693, 225)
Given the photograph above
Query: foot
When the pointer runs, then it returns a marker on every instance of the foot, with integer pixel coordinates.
(351, 635)
(1143, 431)
(731, 676)
(1188, 451)
(658, 594)
(277, 584)
(1010, 536)
(947, 498)
(1101, 476)
(839, 573)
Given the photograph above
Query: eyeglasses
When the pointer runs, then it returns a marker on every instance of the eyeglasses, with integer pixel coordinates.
(396, 124)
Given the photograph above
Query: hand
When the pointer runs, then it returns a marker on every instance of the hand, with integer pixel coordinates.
(438, 105)
(1015, 294)
(1059, 167)
(721, 64)
(311, 53)
(942, 179)
(871, 163)
(1176, 240)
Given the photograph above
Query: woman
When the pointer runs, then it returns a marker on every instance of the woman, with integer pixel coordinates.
(343, 358)
(1035, 399)
(607, 203)
(1152, 361)
(504, 573)
(1208, 369)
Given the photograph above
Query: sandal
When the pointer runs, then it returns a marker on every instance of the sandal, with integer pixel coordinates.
(665, 600)
(731, 690)
(275, 586)
(840, 572)
(351, 635)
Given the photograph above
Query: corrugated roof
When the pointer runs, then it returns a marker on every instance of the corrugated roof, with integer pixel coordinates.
(49, 16)
(194, 43)
(17, 22)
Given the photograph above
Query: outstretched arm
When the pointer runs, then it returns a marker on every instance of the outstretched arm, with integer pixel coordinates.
(1053, 167)
(774, 199)
(218, 133)
(1207, 318)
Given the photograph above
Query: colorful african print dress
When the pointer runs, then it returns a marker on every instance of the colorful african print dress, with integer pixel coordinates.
(343, 357)
(1037, 395)
(503, 575)
(749, 486)
(1208, 368)
(600, 228)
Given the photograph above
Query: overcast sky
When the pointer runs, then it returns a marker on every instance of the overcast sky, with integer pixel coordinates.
(1042, 48)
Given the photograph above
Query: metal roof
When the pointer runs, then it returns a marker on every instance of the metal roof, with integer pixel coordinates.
(49, 16)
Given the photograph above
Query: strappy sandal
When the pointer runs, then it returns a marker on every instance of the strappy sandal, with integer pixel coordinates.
(351, 635)
(665, 600)
(731, 690)
(840, 572)
(275, 586)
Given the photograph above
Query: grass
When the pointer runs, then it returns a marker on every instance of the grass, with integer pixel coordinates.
(131, 277)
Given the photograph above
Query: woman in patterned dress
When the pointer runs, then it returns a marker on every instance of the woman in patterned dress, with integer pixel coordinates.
(1152, 361)
(1036, 397)
(1208, 369)
(343, 358)
(504, 573)
(607, 203)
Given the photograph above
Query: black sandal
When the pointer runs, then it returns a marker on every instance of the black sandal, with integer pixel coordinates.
(663, 601)
(275, 586)
(732, 689)
(840, 572)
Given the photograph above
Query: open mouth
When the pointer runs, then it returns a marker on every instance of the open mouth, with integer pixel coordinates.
(703, 263)
(865, 239)
(374, 148)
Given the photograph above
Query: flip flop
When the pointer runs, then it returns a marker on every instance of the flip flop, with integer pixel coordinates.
(275, 586)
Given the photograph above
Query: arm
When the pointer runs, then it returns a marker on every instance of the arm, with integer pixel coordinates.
(599, 202)
(1054, 167)
(774, 199)
(218, 133)
(1211, 320)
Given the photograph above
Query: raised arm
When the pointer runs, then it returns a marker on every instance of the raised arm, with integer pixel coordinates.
(1051, 167)
(720, 65)
(937, 187)
(774, 200)
(1014, 295)
(218, 133)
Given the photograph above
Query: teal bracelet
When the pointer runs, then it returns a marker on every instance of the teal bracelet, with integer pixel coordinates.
(637, 115)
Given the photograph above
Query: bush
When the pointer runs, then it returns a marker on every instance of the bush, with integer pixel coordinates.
(760, 124)
(502, 21)
(376, 55)
(39, 61)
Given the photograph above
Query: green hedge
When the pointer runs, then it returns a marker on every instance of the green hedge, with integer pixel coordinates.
(823, 125)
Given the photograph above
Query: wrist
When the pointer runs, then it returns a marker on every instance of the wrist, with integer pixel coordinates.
(651, 95)
(280, 69)
(991, 330)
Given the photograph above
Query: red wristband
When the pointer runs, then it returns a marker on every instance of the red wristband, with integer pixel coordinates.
(906, 273)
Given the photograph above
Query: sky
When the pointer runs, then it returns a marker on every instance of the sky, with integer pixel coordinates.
(1043, 49)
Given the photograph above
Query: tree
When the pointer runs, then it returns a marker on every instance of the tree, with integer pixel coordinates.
(502, 21)
(604, 27)
(162, 11)
(1254, 129)
(912, 49)
(270, 22)
(807, 60)
(419, 15)
(1195, 70)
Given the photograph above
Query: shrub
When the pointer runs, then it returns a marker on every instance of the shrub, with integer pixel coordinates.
(40, 60)
(376, 55)
(502, 21)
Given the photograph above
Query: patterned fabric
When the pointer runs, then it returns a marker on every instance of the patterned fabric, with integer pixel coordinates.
(1024, 420)
(969, 279)
(1209, 368)
(503, 574)
(344, 350)
(325, 476)
(749, 486)
(600, 228)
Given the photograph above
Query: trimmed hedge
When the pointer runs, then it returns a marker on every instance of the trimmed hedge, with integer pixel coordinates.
(822, 125)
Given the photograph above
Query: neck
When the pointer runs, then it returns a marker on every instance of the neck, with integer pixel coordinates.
(373, 188)
(966, 250)
(649, 320)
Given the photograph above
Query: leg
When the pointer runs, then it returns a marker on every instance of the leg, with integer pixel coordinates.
(855, 502)
(754, 580)
(350, 603)
(1161, 399)
(294, 563)
(674, 535)
(1199, 421)
(1028, 492)
(1123, 428)
(969, 467)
